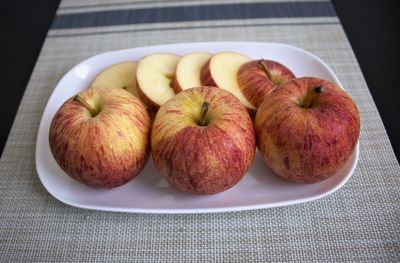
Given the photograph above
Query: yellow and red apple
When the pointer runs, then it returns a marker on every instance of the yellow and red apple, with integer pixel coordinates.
(307, 129)
(203, 140)
(259, 77)
(100, 137)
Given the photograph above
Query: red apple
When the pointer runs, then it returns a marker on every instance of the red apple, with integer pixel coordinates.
(307, 129)
(100, 137)
(258, 77)
(203, 140)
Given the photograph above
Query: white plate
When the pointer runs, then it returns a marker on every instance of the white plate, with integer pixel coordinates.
(148, 192)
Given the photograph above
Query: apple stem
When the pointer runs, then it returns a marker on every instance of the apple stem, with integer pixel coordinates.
(205, 107)
(311, 96)
(265, 68)
(92, 110)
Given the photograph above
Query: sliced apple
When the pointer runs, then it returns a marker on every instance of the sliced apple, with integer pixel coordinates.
(154, 76)
(121, 75)
(188, 70)
(259, 77)
(221, 71)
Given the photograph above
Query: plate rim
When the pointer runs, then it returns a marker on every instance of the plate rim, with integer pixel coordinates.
(51, 191)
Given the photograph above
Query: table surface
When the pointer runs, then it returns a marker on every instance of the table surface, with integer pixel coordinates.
(357, 223)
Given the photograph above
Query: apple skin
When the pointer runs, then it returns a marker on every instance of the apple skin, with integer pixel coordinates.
(152, 106)
(206, 76)
(107, 150)
(255, 84)
(175, 84)
(203, 159)
(307, 145)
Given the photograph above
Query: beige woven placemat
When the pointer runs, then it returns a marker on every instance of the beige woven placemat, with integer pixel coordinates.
(358, 223)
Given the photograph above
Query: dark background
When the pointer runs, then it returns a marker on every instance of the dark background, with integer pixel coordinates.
(371, 27)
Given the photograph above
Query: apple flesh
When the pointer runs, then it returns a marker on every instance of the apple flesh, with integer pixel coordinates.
(188, 71)
(259, 77)
(221, 71)
(121, 75)
(155, 76)
(203, 140)
(101, 137)
(307, 129)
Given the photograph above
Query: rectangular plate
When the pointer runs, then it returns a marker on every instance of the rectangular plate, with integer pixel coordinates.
(148, 192)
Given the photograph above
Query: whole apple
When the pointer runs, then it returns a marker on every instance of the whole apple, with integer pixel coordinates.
(203, 140)
(307, 129)
(100, 137)
(259, 77)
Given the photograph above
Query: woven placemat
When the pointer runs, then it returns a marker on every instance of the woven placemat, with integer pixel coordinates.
(358, 223)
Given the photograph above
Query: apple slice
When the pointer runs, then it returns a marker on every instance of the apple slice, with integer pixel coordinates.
(154, 76)
(221, 71)
(121, 75)
(259, 77)
(188, 71)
